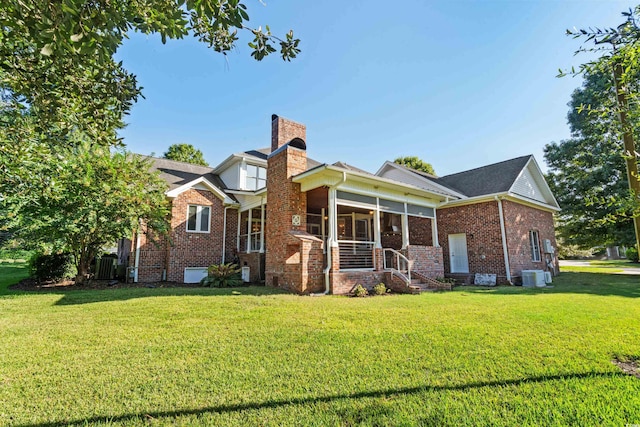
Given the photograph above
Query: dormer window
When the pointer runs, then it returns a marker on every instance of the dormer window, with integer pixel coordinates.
(256, 177)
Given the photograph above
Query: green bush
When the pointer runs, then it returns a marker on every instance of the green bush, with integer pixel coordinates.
(360, 291)
(632, 254)
(380, 289)
(53, 267)
(222, 276)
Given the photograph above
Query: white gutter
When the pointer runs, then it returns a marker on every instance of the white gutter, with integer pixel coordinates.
(224, 234)
(137, 260)
(332, 235)
(504, 240)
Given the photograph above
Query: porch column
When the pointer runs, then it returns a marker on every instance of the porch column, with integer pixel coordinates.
(238, 234)
(405, 230)
(376, 228)
(434, 229)
(249, 224)
(333, 219)
(261, 228)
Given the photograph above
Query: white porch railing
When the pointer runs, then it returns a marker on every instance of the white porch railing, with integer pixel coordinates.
(356, 255)
(397, 263)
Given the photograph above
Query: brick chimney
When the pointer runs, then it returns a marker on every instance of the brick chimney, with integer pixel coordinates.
(285, 202)
(284, 130)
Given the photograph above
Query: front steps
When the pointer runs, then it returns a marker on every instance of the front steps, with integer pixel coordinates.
(426, 284)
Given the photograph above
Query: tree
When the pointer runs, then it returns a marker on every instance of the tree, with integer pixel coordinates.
(185, 153)
(99, 197)
(416, 163)
(621, 57)
(586, 172)
(57, 57)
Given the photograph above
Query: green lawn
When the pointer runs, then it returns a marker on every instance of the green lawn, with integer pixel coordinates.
(505, 356)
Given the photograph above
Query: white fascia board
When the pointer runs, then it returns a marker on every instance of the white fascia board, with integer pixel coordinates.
(236, 158)
(405, 169)
(504, 196)
(258, 192)
(337, 174)
(172, 194)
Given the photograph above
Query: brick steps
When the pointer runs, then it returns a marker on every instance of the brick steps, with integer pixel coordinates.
(422, 283)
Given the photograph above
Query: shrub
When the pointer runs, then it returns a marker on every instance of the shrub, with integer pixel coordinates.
(360, 291)
(222, 276)
(53, 267)
(450, 280)
(632, 254)
(380, 289)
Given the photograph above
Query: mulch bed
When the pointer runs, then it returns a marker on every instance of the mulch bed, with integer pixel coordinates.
(69, 285)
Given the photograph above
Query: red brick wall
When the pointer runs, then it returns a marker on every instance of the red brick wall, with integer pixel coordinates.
(426, 259)
(420, 231)
(254, 261)
(481, 223)
(342, 283)
(153, 256)
(519, 220)
(196, 249)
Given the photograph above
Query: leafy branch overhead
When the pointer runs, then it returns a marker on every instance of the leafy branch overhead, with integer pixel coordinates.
(56, 58)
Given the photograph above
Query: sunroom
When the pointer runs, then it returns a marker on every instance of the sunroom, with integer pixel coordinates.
(371, 224)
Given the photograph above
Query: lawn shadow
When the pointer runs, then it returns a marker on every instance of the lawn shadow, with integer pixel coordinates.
(274, 404)
(75, 297)
(623, 285)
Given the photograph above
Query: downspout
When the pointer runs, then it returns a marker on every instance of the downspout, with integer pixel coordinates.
(224, 234)
(504, 241)
(136, 263)
(332, 235)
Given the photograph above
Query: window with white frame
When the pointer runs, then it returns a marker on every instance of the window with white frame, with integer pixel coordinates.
(198, 218)
(535, 245)
(256, 177)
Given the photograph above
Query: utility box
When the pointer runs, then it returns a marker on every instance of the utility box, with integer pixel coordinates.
(546, 246)
(246, 274)
(533, 278)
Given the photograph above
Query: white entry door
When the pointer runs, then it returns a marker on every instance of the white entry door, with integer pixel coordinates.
(458, 253)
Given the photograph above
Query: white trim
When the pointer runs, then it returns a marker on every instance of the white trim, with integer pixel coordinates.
(505, 249)
(226, 163)
(202, 180)
(540, 180)
(370, 179)
(448, 191)
(199, 219)
(505, 196)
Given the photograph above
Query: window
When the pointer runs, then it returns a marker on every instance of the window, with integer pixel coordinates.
(198, 218)
(256, 177)
(535, 245)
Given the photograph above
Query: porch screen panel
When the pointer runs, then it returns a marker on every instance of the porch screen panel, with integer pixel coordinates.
(391, 206)
(420, 211)
(358, 198)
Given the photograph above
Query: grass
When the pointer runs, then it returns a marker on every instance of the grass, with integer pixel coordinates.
(497, 356)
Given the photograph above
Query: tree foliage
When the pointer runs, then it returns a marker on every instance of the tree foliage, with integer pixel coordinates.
(98, 197)
(57, 57)
(185, 153)
(587, 171)
(416, 163)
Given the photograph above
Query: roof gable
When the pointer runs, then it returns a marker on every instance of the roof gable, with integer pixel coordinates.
(490, 179)
(401, 173)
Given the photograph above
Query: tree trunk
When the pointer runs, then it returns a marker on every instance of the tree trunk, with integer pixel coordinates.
(83, 268)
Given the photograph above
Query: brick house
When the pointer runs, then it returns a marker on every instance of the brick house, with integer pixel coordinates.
(313, 227)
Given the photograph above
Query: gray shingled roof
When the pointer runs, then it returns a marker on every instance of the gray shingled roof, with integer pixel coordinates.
(349, 167)
(179, 173)
(490, 179)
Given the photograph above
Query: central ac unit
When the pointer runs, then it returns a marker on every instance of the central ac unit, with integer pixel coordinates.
(533, 278)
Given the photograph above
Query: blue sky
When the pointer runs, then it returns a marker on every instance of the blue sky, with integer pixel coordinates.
(459, 84)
